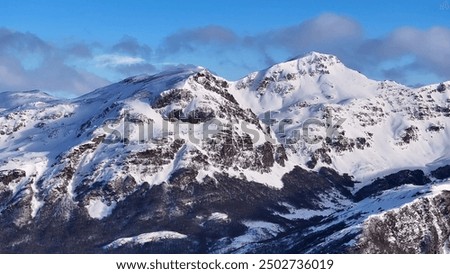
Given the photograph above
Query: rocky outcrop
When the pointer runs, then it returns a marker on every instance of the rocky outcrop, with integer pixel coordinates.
(420, 227)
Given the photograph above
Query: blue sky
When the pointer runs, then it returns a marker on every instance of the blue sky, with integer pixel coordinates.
(70, 47)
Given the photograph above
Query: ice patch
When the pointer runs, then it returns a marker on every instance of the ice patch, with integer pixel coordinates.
(218, 216)
(257, 231)
(306, 214)
(440, 187)
(446, 247)
(97, 209)
(35, 206)
(145, 238)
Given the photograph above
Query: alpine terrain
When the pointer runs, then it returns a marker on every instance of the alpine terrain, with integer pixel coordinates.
(307, 156)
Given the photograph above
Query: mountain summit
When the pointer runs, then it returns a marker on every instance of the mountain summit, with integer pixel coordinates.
(318, 78)
(304, 156)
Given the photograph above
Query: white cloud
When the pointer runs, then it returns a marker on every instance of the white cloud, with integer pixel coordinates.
(325, 31)
(28, 62)
(114, 60)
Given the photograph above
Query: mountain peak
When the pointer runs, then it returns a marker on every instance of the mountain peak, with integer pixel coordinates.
(312, 64)
(314, 56)
(312, 59)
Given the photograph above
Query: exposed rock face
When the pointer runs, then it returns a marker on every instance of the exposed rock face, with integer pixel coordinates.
(181, 204)
(11, 176)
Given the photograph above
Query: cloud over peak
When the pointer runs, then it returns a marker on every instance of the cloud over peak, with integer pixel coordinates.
(190, 39)
(114, 60)
(130, 45)
(325, 31)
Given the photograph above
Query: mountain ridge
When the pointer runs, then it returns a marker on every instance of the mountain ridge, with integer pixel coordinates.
(305, 151)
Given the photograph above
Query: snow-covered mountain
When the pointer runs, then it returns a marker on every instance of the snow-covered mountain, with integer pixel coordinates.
(304, 156)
